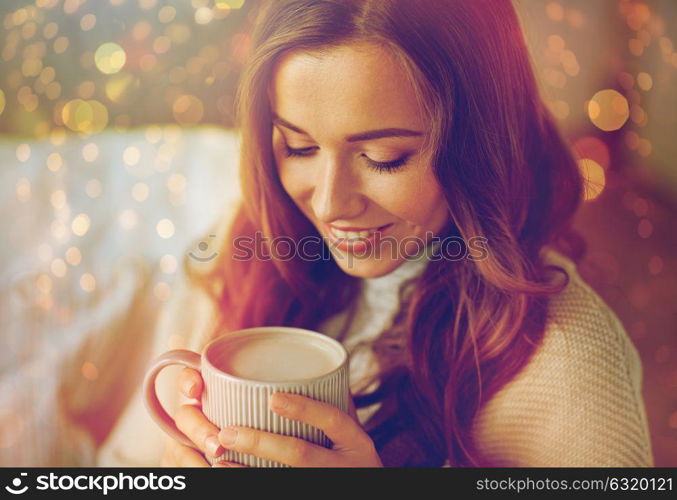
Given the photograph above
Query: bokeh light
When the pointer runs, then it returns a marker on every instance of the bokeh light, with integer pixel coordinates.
(110, 58)
(90, 152)
(176, 183)
(58, 268)
(58, 199)
(23, 189)
(608, 110)
(644, 81)
(73, 256)
(60, 45)
(88, 282)
(54, 162)
(555, 11)
(165, 228)
(140, 191)
(203, 15)
(80, 224)
(188, 109)
(23, 152)
(656, 265)
(83, 116)
(131, 156)
(229, 4)
(593, 177)
(645, 228)
(119, 88)
(88, 22)
(166, 14)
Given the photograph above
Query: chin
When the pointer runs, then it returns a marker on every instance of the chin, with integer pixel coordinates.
(364, 268)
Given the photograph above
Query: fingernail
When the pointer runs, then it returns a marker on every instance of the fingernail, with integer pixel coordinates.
(280, 401)
(227, 436)
(213, 446)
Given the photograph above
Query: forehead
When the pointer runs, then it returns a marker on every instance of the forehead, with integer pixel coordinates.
(344, 90)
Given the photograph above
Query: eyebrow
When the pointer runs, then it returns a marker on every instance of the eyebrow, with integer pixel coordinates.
(362, 136)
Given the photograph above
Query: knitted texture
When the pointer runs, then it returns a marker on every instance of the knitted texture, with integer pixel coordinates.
(578, 401)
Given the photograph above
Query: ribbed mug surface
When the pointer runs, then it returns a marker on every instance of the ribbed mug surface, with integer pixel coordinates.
(230, 400)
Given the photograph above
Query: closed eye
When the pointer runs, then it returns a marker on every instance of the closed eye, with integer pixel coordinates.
(297, 152)
(379, 166)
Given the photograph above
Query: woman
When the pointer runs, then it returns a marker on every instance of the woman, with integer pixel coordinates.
(421, 121)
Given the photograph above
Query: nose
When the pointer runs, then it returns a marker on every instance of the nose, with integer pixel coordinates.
(336, 194)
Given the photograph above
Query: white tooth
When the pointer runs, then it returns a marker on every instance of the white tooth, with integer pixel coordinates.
(352, 234)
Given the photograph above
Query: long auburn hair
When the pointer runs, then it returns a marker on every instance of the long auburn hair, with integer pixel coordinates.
(468, 326)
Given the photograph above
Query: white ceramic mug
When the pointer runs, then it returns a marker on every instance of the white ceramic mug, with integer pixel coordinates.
(242, 369)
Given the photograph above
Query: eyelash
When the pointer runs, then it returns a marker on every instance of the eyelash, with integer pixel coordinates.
(389, 166)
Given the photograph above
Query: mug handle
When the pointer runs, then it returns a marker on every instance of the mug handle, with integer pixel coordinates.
(176, 357)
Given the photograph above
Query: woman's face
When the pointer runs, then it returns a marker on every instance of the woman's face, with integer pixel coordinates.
(350, 168)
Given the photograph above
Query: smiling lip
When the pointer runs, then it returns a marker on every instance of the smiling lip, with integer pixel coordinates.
(355, 229)
(358, 243)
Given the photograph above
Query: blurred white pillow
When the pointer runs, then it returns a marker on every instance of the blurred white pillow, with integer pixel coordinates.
(97, 228)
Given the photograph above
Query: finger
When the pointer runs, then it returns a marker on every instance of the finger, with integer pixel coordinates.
(185, 456)
(287, 450)
(190, 382)
(167, 459)
(191, 421)
(223, 463)
(340, 427)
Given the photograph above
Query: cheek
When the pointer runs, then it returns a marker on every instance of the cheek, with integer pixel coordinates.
(298, 186)
(413, 197)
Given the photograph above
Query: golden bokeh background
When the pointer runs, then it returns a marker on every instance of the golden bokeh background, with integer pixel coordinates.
(81, 66)
(151, 79)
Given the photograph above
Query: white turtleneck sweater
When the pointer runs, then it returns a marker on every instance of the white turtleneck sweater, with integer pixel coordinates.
(577, 403)
(377, 305)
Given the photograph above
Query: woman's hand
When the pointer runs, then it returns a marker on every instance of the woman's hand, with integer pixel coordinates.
(191, 421)
(352, 445)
